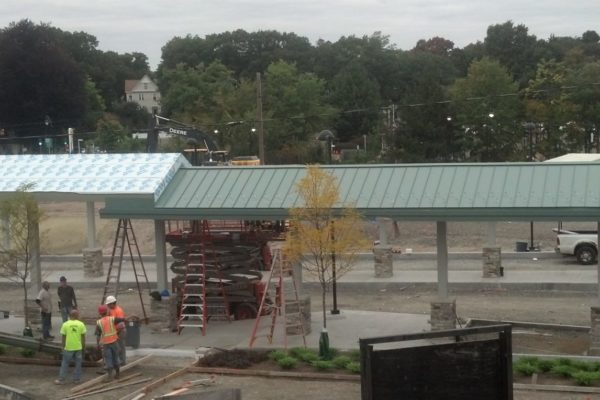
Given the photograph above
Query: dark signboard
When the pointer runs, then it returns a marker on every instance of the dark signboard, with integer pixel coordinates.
(461, 364)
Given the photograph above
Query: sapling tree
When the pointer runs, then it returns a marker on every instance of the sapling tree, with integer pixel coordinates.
(20, 216)
(325, 235)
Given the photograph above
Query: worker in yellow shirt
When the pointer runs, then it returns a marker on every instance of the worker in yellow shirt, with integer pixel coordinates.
(73, 343)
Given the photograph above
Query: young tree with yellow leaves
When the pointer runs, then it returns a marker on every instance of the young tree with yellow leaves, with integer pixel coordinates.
(325, 235)
(19, 235)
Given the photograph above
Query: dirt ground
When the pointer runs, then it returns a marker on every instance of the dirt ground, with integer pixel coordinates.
(64, 233)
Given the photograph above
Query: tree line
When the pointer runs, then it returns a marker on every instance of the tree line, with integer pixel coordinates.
(509, 97)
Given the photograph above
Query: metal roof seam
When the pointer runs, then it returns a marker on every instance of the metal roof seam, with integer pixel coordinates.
(425, 185)
(389, 185)
(378, 173)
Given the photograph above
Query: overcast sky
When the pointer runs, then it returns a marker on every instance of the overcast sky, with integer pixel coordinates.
(145, 26)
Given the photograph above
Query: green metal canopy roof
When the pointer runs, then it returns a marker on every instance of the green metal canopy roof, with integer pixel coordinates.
(495, 191)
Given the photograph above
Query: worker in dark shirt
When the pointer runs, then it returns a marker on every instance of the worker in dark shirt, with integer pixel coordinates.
(66, 299)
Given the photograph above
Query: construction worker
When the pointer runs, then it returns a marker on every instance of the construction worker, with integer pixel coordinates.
(107, 337)
(73, 343)
(116, 311)
(66, 299)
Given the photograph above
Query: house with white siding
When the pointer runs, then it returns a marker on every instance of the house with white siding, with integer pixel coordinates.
(143, 92)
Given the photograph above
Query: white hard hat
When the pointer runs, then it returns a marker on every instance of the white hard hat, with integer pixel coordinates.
(110, 300)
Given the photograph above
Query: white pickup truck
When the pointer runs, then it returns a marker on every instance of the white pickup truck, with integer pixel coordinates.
(581, 244)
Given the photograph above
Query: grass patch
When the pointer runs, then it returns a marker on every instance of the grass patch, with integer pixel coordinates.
(3, 349)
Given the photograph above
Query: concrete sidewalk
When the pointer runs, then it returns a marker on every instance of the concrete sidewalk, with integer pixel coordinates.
(344, 331)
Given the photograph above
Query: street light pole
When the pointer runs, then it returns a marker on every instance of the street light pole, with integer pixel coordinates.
(530, 126)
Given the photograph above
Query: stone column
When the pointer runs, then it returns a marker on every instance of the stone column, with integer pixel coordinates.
(92, 262)
(163, 314)
(595, 332)
(384, 262)
(443, 314)
(492, 262)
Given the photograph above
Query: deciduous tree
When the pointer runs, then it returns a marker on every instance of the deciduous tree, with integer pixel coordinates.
(323, 229)
(20, 232)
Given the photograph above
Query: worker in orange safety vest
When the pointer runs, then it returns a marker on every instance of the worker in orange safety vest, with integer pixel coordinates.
(116, 311)
(107, 337)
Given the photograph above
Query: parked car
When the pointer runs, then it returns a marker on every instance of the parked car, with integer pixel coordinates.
(581, 244)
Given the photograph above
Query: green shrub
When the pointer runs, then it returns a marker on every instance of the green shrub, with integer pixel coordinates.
(596, 366)
(3, 349)
(586, 378)
(341, 361)
(529, 360)
(277, 355)
(353, 367)
(295, 351)
(583, 366)
(27, 353)
(323, 365)
(545, 365)
(564, 361)
(287, 362)
(304, 354)
(525, 368)
(563, 370)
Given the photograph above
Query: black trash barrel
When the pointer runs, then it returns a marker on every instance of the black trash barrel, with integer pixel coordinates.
(521, 246)
(132, 337)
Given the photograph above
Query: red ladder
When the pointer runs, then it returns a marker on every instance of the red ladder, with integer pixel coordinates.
(288, 320)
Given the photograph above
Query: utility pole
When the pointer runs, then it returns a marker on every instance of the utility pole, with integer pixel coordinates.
(152, 138)
(259, 119)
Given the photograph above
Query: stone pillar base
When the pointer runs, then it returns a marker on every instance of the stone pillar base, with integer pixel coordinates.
(384, 263)
(443, 315)
(92, 262)
(163, 314)
(492, 262)
(305, 316)
(595, 331)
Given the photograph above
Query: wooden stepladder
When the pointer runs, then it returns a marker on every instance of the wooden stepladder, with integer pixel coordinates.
(125, 238)
(275, 304)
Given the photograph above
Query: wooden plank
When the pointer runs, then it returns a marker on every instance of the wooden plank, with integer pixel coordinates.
(171, 394)
(79, 396)
(221, 394)
(159, 382)
(104, 377)
(107, 384)
(276, 374)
